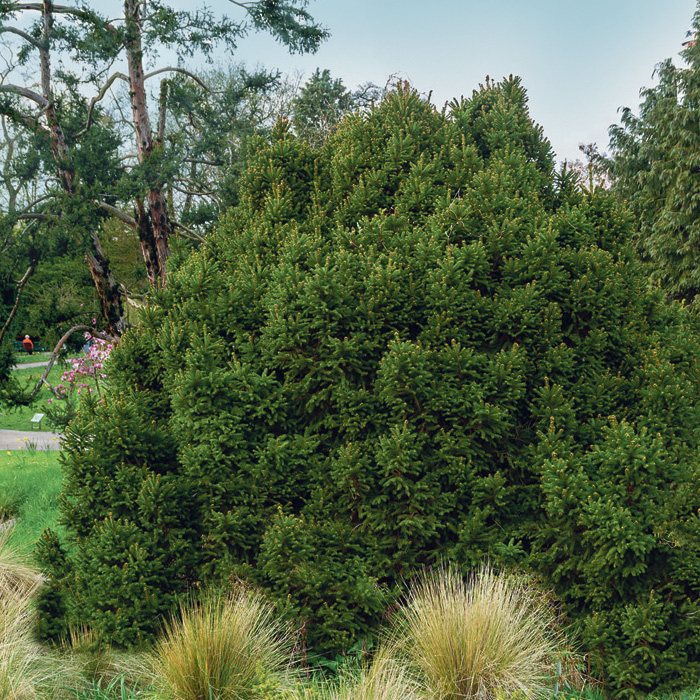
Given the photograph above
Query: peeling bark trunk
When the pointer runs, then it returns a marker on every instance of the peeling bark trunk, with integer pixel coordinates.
(107, 288)
(155, 226)
(147, 240)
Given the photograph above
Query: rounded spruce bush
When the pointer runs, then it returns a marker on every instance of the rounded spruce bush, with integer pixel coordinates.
(419, 343)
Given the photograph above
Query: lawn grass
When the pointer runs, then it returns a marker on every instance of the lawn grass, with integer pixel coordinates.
(18, 418)
(30, 483)
(24, 357)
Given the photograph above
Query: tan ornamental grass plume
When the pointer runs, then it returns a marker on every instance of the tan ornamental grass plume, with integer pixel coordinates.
(227, 647)
(22, 664)
(16, 576)
(480, 637)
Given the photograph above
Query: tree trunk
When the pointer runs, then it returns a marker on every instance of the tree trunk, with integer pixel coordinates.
(148, 243)
(107, 288)
(155, 226)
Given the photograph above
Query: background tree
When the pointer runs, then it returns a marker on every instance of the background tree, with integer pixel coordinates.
(209, 129)
(655, 169)
(25, 229)
(323, 101)
(205, 133)
(206, 130)
(63, 106)
(594, 170)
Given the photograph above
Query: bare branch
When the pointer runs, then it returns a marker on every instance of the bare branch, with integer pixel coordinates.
(24, 35)
(195, 193)
(26, 92)
(12, 191)
(162, 110)
(100, 95)
(124, 120)
(6, 242)
(191, 234)
(136, 304)
(178, 70)
(31, 123)
(118, 213)
(40, 216)
(18, 294)
(31, 205)
(61, 343)
(199, 161)
(58, 9)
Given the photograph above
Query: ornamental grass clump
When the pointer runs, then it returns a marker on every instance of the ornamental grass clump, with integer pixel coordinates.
(22, 668)
(90, 663)
(480, 637)
(17, 578)
(227, 647)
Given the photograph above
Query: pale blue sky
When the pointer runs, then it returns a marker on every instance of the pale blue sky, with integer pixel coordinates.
(580, 60)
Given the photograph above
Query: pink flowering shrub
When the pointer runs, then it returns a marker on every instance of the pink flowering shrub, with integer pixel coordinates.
(85, 375)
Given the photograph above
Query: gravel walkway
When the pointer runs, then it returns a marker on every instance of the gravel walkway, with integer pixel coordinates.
(29, 365)
(13, 439)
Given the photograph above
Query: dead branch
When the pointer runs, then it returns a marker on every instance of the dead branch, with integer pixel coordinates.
(27, 37)
(191, 234)
(99, 96)
(119, 214)
(26, 92)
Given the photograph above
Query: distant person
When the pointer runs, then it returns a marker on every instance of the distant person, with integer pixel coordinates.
(28, 345)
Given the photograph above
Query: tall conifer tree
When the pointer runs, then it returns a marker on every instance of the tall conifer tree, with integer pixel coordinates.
(656, 169)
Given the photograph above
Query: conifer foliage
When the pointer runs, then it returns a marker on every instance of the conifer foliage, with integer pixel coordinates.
(415, 343)
(655, 168)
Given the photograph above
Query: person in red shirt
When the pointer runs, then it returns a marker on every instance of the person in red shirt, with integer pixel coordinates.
(28, 345)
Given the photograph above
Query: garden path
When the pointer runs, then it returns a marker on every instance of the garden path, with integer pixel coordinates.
(29, 365)
(41, 440)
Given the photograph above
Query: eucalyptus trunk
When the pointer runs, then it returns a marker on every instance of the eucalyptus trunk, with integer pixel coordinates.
(154, 223)
(107, 288)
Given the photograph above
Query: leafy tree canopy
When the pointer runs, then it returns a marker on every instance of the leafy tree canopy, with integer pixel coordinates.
(60, 84)
(323, 101)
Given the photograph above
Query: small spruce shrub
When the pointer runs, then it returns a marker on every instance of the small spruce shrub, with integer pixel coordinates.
(416, 343)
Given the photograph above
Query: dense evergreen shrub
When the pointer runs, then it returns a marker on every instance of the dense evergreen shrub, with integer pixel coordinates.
(418, 342)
